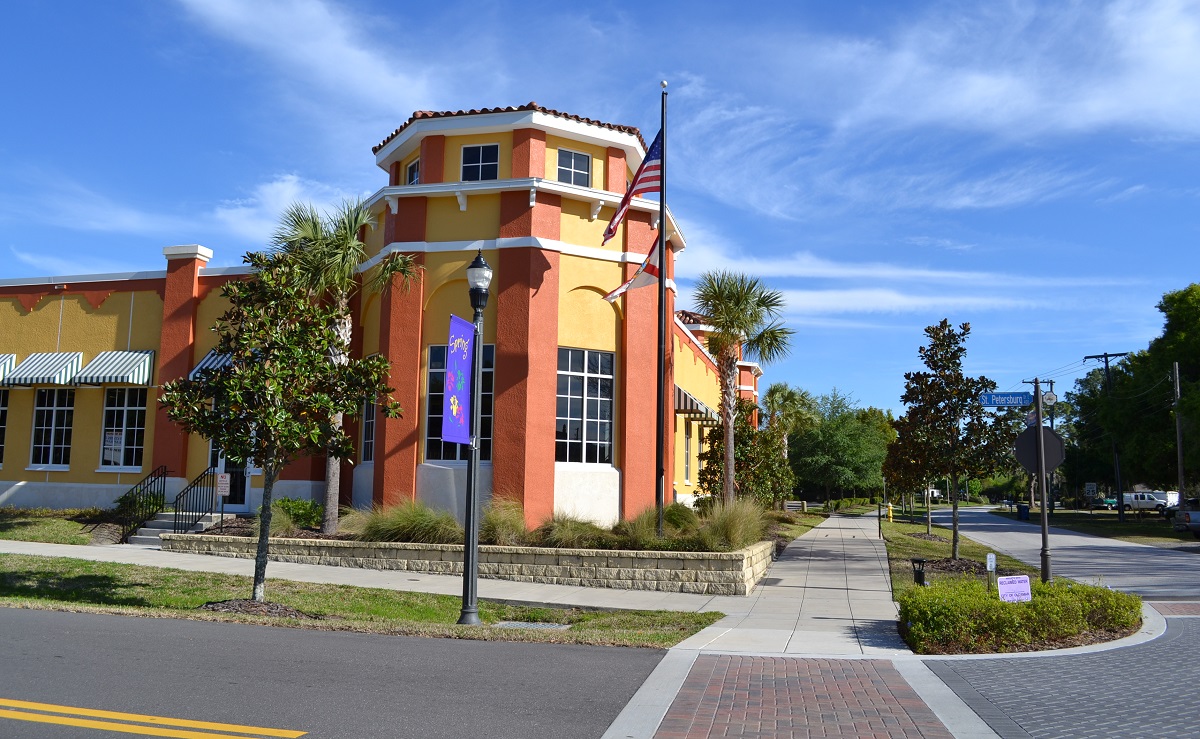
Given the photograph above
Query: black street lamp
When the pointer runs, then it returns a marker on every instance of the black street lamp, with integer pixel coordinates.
(479, 277)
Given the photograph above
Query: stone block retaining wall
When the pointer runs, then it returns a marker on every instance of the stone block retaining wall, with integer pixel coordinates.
(709, 573)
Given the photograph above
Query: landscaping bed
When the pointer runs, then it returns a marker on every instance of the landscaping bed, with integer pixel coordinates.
(707, 573)
(958, 614)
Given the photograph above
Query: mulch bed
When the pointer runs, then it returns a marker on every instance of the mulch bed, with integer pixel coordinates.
(249, 527)
(929, 537)
(254, 608)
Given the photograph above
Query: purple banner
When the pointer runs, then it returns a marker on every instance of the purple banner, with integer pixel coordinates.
(456, 402)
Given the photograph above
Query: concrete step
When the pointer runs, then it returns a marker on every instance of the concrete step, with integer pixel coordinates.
(145, 541)
(149, 533)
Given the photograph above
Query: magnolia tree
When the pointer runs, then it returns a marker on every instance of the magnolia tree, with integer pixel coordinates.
(946, 432)
(273, 401)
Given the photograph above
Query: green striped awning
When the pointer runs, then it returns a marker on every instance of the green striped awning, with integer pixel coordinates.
(47, 368)
(117, 368)
(7, 362)
(212, 360)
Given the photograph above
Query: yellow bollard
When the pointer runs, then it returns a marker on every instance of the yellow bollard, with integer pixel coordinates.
(889, 512)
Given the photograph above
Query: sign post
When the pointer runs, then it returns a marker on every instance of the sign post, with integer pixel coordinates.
(223, 485)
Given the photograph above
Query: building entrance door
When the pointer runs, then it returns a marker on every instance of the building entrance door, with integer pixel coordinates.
(239, 478)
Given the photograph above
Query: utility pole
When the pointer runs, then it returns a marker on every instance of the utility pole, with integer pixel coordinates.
(1179, 439)
(1041, 477)
(1116, 454)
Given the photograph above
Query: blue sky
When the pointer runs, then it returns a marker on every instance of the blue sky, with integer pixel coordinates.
(1028, 167)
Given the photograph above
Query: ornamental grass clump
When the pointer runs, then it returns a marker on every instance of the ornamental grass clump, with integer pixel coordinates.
(961, 616)
(641, 531)
(411, 522)
(682, 518)
(730, 526)
(568, 532)
(503, 524)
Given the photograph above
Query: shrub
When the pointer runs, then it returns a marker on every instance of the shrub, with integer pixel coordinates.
(730, 527)
(352, 521)
(641, 531)
(962, 616)
(503, 524)
(681, 518)
(307, 514)
(282, 524)
(569, 532)
(411, 522)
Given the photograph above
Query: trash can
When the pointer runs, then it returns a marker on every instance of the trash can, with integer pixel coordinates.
(1022, 512)
(918, 565)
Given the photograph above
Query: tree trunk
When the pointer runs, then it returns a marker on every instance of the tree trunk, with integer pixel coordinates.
(333, 484)
(270, 472)
(728, 417)
(928, 513)
(333, 465)
(954, 515)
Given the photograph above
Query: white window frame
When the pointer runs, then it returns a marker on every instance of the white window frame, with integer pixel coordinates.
(433, 409)
(3, 421)
(125, 409)
(687, 452)
(61, 419)
(367, 446)
(571, 171)
(463, 163)
(413, 168)
(580, 399)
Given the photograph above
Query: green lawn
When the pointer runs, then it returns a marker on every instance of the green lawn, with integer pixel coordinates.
(902, 547)
(78, 585)
(50, 526)
(1152, 529)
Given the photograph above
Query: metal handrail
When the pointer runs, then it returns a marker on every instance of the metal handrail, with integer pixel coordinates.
(196, 501)
(145, 500)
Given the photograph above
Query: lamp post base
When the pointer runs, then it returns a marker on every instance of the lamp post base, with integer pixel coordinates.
(469, 617)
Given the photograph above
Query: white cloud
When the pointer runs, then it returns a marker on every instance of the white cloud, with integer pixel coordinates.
(881, 300)
(320, 45)
(48, 264)
(255, 217)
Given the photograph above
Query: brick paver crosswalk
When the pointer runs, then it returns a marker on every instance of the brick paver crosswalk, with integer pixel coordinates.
(745, 696)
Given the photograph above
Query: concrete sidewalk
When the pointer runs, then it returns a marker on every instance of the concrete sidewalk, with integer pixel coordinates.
(813, 651)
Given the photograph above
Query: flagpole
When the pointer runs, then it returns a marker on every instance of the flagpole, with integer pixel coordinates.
(660, 467)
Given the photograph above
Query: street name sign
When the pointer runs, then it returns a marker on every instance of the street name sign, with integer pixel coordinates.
(1006, 400)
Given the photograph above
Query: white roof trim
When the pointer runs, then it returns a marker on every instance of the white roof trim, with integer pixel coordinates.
(484, 123)
(69, 279)
(698, 342)
(753, 367)
(391, 194)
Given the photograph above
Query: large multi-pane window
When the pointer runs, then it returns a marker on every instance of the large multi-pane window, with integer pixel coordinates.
(368, 432)
(435, 448)
(124, 427)
(3, 420)
(574, 167)
(480, 162)
(584, 416)
(53, 412)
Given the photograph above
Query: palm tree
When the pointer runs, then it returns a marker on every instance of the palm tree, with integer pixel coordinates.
(330, 252)
(786, 409)
(741, 312)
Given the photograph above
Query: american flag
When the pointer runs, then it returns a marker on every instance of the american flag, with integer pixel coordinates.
(646, 275)
(648, 179)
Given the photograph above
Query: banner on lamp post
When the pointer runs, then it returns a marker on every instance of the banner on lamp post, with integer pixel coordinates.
(456, 400)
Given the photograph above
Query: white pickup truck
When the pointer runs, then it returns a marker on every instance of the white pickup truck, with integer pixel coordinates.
(1154, 500)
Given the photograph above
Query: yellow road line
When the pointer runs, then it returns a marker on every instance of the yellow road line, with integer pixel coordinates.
(151, 731)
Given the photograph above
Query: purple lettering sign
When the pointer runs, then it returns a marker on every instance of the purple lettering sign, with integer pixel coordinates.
(456, 402)
(1014, 589)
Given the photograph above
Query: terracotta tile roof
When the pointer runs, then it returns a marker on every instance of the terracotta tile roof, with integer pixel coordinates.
(422, 114)
(691, 318)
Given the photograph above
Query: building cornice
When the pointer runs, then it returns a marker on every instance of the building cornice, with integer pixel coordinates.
(462, 191)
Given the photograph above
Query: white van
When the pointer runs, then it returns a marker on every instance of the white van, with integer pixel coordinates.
(1153, 500)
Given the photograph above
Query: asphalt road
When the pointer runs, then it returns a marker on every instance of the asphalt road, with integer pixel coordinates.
(326, 684)
(1151, 572)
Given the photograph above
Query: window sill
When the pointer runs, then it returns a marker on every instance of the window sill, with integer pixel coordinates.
(119, 470)
(48, 468)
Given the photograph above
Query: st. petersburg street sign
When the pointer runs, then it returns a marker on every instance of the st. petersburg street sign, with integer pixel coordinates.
(1006, 400)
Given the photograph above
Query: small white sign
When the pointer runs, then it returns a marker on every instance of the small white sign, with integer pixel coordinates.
(1049, 399)
(991, 562)
(1014, 589)
(1089, 489)
(223, 479)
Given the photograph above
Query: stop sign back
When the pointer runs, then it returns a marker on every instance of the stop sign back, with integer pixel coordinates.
(1026, 448)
